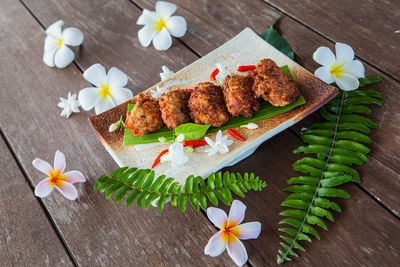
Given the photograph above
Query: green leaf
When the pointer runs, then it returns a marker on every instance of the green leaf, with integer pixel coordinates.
(370, 80)
(273, 37)
(191, 131)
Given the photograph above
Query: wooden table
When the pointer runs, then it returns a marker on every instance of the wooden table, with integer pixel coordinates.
(92, 231)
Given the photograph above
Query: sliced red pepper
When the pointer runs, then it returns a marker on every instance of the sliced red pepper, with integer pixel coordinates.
(213, 74)
(157, 160)
(236, 135)
(246, 68)
(189, 90)
(194, 143)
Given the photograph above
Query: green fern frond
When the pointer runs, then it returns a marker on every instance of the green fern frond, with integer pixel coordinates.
(338, 145)
(142, 185)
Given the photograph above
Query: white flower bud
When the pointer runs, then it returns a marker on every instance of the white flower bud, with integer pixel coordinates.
(113, 127)
(250, 126)
(180, 138)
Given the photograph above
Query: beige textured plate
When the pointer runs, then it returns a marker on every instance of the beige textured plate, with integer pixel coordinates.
(245, 48)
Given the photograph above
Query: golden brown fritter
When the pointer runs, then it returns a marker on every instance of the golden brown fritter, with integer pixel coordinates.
(145, 116)
(273, 84)
(239, 97)
(174, 108)
(206, 105)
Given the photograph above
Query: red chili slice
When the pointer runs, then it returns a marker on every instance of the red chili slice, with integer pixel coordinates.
(246, 68)
(189, 90)
(213, 74)
(236, 135)
(157, 160)
(194, 143)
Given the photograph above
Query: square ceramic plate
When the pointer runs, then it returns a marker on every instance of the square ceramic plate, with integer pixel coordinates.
(245, 48)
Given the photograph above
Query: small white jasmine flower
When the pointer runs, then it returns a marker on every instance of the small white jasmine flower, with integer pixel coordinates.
(220, 77)
(180, 138)
(56, 50)
(109, 91)
(342, 69)
(176, 155)
(116, 126)
(250, 126)
(57, 178)
(158, 92)
(219, 146)
(166, 74)
(69, 105)
(231, 230)
(162, 139)
(160, 25)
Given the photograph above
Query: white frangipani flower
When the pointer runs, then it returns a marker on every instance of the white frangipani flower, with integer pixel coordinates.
(166, 74)
(109, 92)
(160, 25)
(219, 146)
(69, 105)
(176, 155)
(158, 92)
(56, 50)
(342, 69)
(220, 77)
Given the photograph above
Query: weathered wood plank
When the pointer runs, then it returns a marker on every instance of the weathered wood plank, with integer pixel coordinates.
(364, 234)
(368, 26)
(304, 42)
(27, 238)
(96, 231)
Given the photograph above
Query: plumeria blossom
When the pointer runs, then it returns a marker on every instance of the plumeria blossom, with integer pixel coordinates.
(57, 178)
(230, 232)
(166, 74)
(109, 92)
(56, 50)
(342, 69)
(220, 77)
(176, 155)
(219, 146)
(160, 25)
(69, 105)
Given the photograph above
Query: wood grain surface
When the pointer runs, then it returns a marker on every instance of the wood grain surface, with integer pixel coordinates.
(27, 238)
(96, 231)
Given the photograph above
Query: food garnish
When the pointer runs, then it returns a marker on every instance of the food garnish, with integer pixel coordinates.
(246, 68)
(213, 74)
(236, 135)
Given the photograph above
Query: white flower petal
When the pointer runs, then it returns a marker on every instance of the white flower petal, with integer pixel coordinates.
(176, 26)
(104, 104)
(42, 166)
(215, 246)
(68, 190)
(120, 95)
(217, 217)
(324, 74)
(96, 75)
(59, 161)
(250, 230)
(43, 189)
(344, 53)
(236, 250)
(55, 29)
(74, 177)
(116, 78)
(324, 56)
(63, 57)
(165, 9)
(147, 18)
(48, 57)
(146, 35)
(355, 68)
(162, 40)
(347, 82)
(50, 43)
(72, 36)
(88, 97)
(236, 213)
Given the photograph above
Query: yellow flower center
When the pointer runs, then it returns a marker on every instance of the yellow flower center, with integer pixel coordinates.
(336, 70)
(56, 178)
(60, 41)
(229, 231)
(105, 91)
(160, 24)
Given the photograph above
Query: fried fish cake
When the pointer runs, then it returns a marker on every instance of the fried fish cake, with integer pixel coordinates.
(239, 97)
(273, 84)
(174, 108)
(145, 116)
(206, 105)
